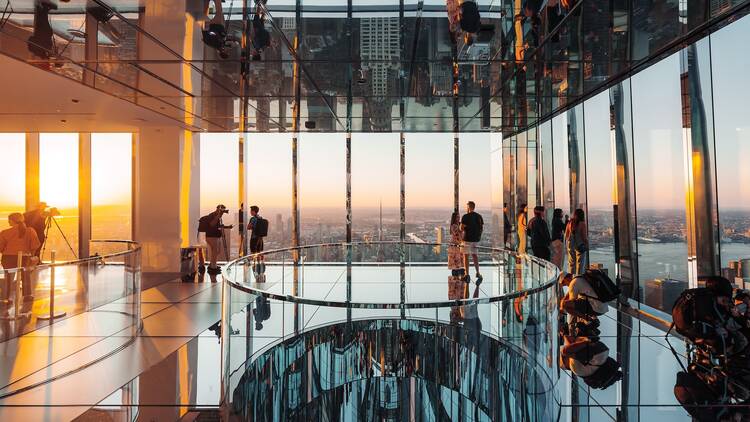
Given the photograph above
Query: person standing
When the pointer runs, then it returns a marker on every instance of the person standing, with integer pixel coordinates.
(455, 259)
(36, 219)
(576, 239)
(556, 245)
(539, 233)
(521, 223)
(258, 227)
(212, 225)
(472, 225)
(14, 241)
(507, 226)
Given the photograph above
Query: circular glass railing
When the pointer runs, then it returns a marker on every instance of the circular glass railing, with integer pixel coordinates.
(371, 330)
(385, 275)
(98, 296)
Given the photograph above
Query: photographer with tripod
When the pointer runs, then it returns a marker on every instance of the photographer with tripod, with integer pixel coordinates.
(36, 219)
(213, 227)
(18, 240)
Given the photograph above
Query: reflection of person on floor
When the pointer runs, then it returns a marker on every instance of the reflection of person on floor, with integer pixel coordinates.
(41, 42)
(456, 288)
(18, 240)
(472, 225)
(262, 312)
(455, 258)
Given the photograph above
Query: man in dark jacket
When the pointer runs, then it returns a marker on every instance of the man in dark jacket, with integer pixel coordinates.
(507, 226)
(539, 233)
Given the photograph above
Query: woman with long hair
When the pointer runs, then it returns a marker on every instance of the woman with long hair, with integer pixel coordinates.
(558, 230)
(18, 240)
(576, 239)
(455, 257)
(521, 223)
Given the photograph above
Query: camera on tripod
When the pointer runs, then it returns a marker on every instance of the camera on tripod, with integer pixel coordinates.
(223, 209)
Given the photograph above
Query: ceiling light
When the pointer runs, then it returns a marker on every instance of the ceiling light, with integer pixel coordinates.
(76, 101)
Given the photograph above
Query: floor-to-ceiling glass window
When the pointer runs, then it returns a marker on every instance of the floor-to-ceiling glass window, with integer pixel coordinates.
(322, 189)
(12, 186)
(660, 183)
(219, 183)
(732, 130)
(496, 184)
(429, 188)
(561, 172)
(599, 186)
(269, 184)
(474, 178)
(58, 187)
(577, 157)
(547, 169)
(111, 186)
(376, 185)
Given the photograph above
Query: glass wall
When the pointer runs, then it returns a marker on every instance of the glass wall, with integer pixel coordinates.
(376, 186)
(561, 170)
(474, 178)
(111, 185)
(732, 131)
(12, 184)
(269, 184)
(631, 156)
(58, 187)
(660, 182)
(322, 188)
(219, 182)
(599, 186)
(429, 200)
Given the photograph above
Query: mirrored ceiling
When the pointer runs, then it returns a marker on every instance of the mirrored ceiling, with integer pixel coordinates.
(348, 65)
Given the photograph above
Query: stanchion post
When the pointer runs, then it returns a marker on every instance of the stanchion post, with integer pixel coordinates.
(52, 315)
(19, 279)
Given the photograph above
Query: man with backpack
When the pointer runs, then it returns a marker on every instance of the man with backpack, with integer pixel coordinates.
(213, 227)
(258, 228)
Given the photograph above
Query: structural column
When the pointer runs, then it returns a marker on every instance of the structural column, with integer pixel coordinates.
(166, 193)
(697, 135)
(32, 170)
(84, 194)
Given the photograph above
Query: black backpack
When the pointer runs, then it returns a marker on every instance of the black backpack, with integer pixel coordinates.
(702, 400)
(261, 227)
(605, 289)
(696, 316)
(204, 224)
(608, 373)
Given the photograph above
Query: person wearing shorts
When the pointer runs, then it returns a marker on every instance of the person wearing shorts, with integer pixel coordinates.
(472, 225)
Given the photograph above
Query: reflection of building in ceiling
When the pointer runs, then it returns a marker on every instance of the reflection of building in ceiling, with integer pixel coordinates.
(380, 52)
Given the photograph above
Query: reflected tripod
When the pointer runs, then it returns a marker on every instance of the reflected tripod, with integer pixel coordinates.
(47, 224)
